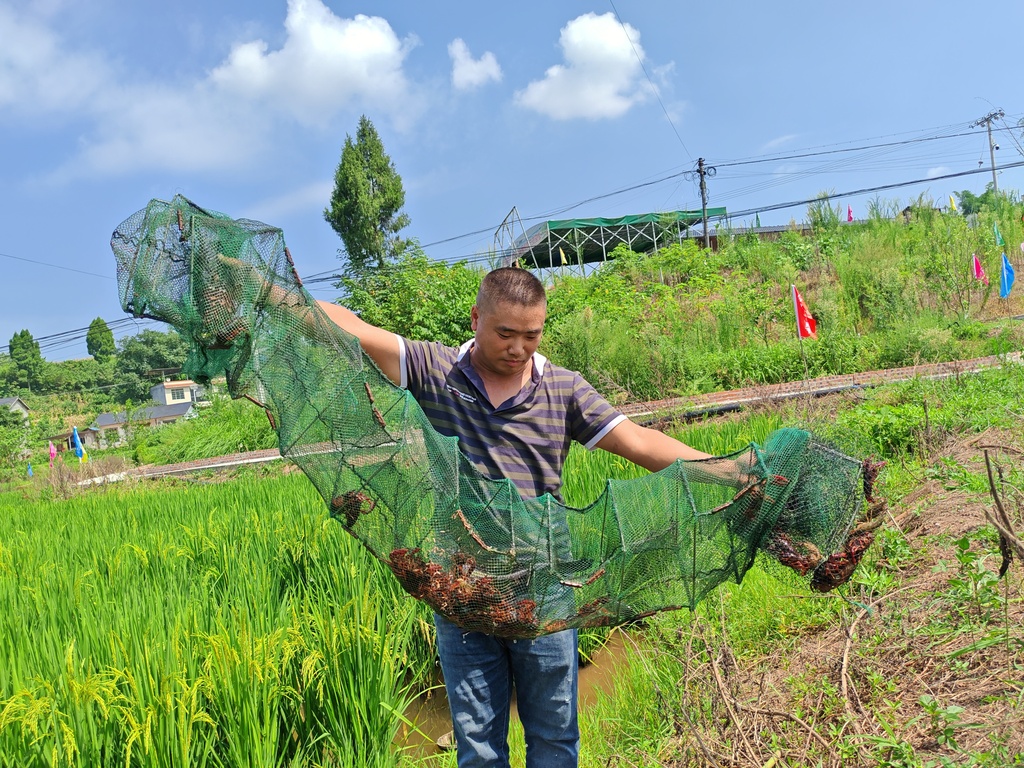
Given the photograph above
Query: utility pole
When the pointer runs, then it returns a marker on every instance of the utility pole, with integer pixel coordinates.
(987, 122)
(704, 171)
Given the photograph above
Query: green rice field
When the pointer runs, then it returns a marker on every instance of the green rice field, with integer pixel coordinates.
(219, 624)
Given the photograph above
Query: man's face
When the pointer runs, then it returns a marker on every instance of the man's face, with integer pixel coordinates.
(507, 335)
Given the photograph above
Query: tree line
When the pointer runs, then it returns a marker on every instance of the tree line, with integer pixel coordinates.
(114, 372)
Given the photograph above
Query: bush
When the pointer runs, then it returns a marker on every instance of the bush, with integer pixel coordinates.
(226, 426)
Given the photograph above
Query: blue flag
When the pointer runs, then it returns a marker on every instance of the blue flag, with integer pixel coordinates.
(1005, 278)
(30, 469)
(78, 443)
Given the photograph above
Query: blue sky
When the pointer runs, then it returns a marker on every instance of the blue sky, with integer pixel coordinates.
(244, 107)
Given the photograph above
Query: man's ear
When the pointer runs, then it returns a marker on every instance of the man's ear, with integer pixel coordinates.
(474, 317)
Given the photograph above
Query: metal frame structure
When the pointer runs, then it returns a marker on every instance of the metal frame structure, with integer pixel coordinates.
(568, 245)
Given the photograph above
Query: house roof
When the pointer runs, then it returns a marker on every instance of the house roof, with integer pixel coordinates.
(66, 435)
(143, 414)
(9, 401)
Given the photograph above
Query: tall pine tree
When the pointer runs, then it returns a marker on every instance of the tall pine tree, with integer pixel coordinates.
(99, 340)
(27, 359)
(366, 205)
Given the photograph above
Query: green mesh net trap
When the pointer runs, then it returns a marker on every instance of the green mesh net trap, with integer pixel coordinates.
(470, 546)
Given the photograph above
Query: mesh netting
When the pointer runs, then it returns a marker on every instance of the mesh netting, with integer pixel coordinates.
(472, 547)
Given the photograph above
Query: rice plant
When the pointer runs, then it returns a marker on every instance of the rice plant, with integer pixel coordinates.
(226, 625)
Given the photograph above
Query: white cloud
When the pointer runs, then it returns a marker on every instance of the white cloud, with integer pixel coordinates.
(787, 169)
(154, 127)
(941, 170)
(38, 75)
(467, 72)
(325, 63)
(218, 122)
(308, 197)
(775, 143)
(601, 78)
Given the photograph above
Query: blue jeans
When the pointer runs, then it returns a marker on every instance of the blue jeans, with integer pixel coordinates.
(479, 673)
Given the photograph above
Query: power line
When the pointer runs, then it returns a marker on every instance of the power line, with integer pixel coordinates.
(56, 266)
(657, 91)
(881, 188)
(669, 177)
(68, 337)
(476, 258)
(883, 147)
(871, 152)
(64, 339)
(776, 158)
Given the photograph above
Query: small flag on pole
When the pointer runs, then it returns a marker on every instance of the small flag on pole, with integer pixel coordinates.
(1006, 277)
(53, 453)
(849, 213)
(30, 469)
(806, 327)
(952, 204)
(77, 443)
(979, 271)
(999, 237)
(562, 254)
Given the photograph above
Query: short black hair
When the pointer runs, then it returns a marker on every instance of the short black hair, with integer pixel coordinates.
(511, 284)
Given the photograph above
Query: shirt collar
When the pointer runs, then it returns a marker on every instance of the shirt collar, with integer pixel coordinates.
(539, 361)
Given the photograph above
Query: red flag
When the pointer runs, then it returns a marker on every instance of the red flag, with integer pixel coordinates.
(806, 327)
(849, 213)
(979, 271)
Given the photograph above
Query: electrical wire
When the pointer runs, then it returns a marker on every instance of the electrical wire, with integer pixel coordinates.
(657, 91)
(65, 339)
(843, 162)
(56, 266)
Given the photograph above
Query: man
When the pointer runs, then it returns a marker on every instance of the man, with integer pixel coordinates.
(514, 415)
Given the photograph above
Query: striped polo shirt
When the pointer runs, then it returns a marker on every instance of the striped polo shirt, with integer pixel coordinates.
(526, 438)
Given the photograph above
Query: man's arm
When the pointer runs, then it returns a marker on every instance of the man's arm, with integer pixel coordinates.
(380, 345)
(649, 448)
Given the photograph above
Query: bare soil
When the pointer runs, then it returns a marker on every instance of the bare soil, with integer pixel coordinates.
(883, 687)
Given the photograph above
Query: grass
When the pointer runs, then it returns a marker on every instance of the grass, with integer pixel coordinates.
(235, 624)
(226, 426)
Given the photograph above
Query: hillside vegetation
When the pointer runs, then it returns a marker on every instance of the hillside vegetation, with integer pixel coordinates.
(894, 290)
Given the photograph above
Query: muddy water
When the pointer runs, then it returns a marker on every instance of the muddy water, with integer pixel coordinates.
(430, 715)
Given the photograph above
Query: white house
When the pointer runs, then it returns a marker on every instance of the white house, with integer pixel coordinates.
(151, 416)
(16, 404)
(175, 392)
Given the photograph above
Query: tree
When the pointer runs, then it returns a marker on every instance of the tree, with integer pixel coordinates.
(366, 204)
(146, 352)
(13, 433)
(83, 375)
(27, 358)
(417, 298)
(8, 376)
(989, 200)
(99, 341)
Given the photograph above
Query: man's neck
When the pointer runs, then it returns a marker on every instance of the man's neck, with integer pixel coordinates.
(500, 388)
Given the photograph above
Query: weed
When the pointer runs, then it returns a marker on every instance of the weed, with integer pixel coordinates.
(975, 583)
(943, 721)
